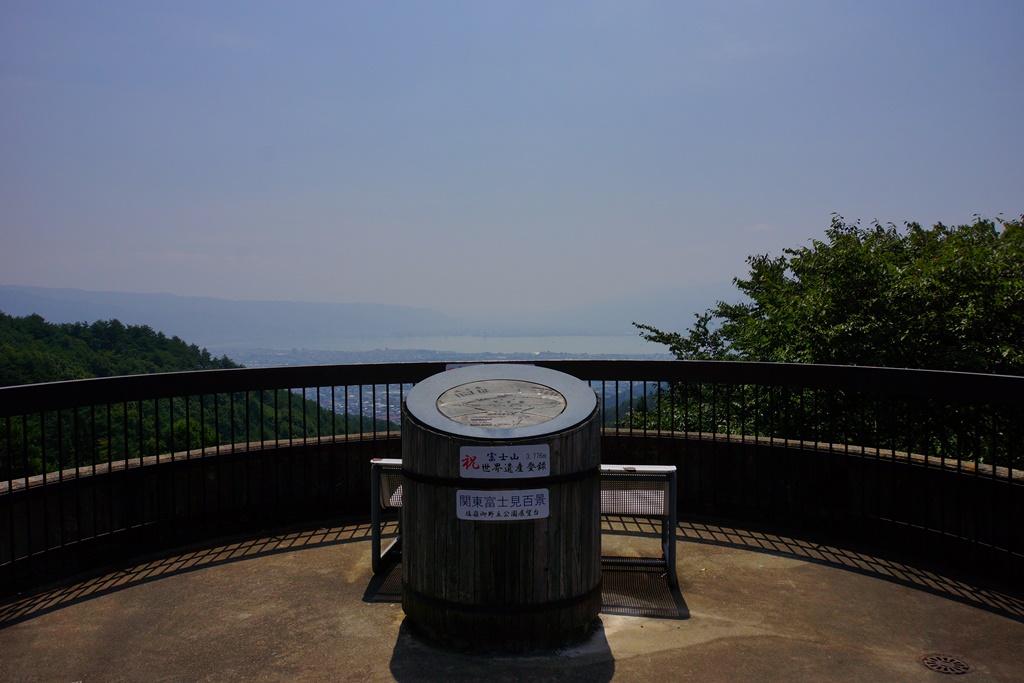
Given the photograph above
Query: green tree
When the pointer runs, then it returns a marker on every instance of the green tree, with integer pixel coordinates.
(941, 298)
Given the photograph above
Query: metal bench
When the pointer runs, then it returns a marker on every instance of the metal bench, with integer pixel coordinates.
(645, 491)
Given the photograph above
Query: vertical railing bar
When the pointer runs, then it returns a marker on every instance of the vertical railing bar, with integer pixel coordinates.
(631, 405)
(743, 412)
(616, 415)
(291, 416)
(202, 426)
(373, 411)
(657, 403)
(362, 422)
(908, 444)
(141, 473)
(647, 406)
(46, 521)
(756, 407)
(714, 411)
(188, 427)
(124, 434)
(142, 430)
(12, 526)
(156, 427)
(218, 464)
(46, 508)
(817, 428)
(25, 449)
(217, 436)
(305, 424)
(801, 420)
(277, 418)
(699, 394)
(78, 453)
(334, 413)
(9, 454)
(350, 412)
(28, 518)
(110, 466)
(177, 450)
(728, 411)
(993, 433)
(319, 426)
(248, 422)
(672, 410)
(9, 436)
(684, 388)
(173, 441)
(204, 499)
(158, 489)
(60, 447)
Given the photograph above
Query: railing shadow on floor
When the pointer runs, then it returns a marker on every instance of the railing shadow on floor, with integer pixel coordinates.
(917, 575)
(177, 561)
(626, 592)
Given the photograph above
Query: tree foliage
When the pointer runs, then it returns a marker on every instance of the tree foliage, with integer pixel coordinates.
(945, 298)
(33, 350)
(941, 298)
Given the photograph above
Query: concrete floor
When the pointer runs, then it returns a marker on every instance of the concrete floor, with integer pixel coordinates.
(304, 606)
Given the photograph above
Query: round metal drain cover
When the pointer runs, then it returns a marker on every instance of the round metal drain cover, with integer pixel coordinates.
(946, 664)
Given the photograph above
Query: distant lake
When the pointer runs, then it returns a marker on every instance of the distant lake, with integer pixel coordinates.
(618, 344)
(625, 345)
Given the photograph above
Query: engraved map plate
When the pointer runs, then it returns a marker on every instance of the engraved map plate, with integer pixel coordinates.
(501, 404)
(501, 401)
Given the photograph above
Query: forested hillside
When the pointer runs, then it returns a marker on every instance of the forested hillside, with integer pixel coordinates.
(33, 350)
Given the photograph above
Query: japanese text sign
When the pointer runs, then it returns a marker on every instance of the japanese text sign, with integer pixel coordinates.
(502, 506)
(504, 462)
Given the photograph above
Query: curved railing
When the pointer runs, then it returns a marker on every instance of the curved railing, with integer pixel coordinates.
(931, 462)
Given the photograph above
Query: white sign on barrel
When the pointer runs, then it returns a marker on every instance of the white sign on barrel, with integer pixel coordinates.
(504, 462)
(502, 506)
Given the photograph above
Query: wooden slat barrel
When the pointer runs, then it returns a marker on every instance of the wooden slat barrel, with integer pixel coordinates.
(501, 507)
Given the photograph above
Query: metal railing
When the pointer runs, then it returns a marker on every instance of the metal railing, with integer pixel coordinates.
(83, 463)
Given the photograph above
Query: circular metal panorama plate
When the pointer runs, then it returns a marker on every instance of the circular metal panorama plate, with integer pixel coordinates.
(501, 401)
(501, 404)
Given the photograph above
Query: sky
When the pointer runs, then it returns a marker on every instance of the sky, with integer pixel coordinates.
(487, 156)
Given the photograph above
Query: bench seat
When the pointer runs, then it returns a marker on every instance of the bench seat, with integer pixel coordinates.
(644, 491)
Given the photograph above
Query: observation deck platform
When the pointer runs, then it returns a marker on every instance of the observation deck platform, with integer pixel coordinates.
(303, 605)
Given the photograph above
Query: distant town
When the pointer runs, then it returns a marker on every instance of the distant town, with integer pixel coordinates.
(384, 402)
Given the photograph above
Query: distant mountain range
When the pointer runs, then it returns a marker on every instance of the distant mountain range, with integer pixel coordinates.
(225, 323)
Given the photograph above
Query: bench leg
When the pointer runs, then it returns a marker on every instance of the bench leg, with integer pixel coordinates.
(375, 518)
(670, 541)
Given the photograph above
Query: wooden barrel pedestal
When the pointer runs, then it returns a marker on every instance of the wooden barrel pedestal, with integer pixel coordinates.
(501, 508)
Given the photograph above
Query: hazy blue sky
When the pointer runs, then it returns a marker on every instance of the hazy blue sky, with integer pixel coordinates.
(473, 155)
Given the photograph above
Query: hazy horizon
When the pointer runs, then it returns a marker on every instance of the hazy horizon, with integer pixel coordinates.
(474, 158)
(223, 325)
